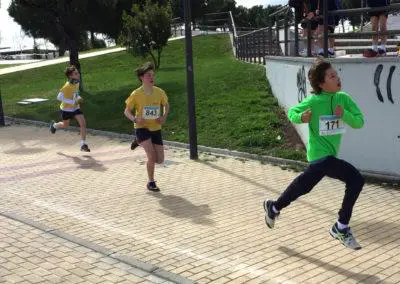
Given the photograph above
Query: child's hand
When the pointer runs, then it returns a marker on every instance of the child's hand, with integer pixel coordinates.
(339, 111)
(139, 120)
(306, 116)
(78, 99)
(161, 119)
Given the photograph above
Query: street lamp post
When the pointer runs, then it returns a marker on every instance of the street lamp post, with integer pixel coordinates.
(190, 82)
(2, 120)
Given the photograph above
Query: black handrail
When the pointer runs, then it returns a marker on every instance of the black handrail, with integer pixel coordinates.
(281, 10)
(346, 12)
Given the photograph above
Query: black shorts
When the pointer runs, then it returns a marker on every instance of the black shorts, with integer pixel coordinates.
(378, 14)
(333, 21)
(67, 115)
(143, 134)
(313, 22)
(376, 4)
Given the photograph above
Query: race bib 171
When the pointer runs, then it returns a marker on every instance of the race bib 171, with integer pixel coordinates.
(331, 125)
(151, 112)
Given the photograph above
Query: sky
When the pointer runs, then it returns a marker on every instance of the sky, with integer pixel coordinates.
(11, 35)
(10, 32)
(251, 3)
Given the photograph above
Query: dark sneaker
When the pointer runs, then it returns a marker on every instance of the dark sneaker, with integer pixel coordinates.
(270, 215)
(330, 53)
(85, 148)
(152, 186)
(370, 53)
(345, 237)
(134, 145)
(52, 128)
(381, 52)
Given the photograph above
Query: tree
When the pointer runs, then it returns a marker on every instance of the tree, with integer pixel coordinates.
(241, 17)
(213, 6)
(258, 16)
(147, 30)
(18, 39)
(352, 4)
(66, 22)
(36, 52)
(105, 16)
(255, 17)
(197, 9)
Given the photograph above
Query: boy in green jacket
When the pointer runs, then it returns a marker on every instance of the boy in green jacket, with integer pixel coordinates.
(326, 112)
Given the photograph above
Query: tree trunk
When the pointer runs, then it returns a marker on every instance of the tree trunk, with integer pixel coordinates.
(61, 50)
(74, 57)
(63, 46)
(154, 59)
(74, 53)
(92, 39)
(159, 51)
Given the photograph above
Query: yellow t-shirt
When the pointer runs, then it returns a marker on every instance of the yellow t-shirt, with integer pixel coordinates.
(147, 107)
(70, 91)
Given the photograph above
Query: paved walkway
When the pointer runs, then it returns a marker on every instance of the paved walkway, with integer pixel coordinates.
(42, 63)
(29, 255)
(207, 224)
(56, 61)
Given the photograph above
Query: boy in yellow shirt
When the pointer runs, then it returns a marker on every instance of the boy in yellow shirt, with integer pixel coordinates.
(70, 106)
(150, 105)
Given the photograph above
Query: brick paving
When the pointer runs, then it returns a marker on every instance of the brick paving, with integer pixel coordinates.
(207, 224)
(29, 255)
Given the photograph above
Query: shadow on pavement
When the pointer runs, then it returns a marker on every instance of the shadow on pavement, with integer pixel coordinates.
(88, 162)
(24, 150)
(178, 207)
(379, 231)
(359, 277)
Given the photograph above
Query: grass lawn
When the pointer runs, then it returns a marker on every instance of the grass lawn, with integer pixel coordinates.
(235, 108)
(97, 49)
(7, 65)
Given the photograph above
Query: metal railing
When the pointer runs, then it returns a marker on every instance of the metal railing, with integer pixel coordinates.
(211, 22)
(254, 46)
(251, 44)
(356, 11)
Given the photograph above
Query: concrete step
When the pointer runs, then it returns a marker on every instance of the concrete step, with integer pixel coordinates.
(359, 55)
(361, 49)
(361, 42)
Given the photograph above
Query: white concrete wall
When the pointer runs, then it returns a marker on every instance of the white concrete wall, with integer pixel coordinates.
(374, 148)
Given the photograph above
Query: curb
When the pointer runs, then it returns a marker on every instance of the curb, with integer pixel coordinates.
(369, 176)
(131, 261)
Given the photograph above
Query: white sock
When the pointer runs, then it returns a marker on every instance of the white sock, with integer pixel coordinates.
(374, 47)
(341, 226)
(331, 50)
(321, 50)
(382, 47)
(55, 125)
(83, 142)
(274, 209)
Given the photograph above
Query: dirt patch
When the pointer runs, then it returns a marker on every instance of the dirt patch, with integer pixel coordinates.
(292, 138)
